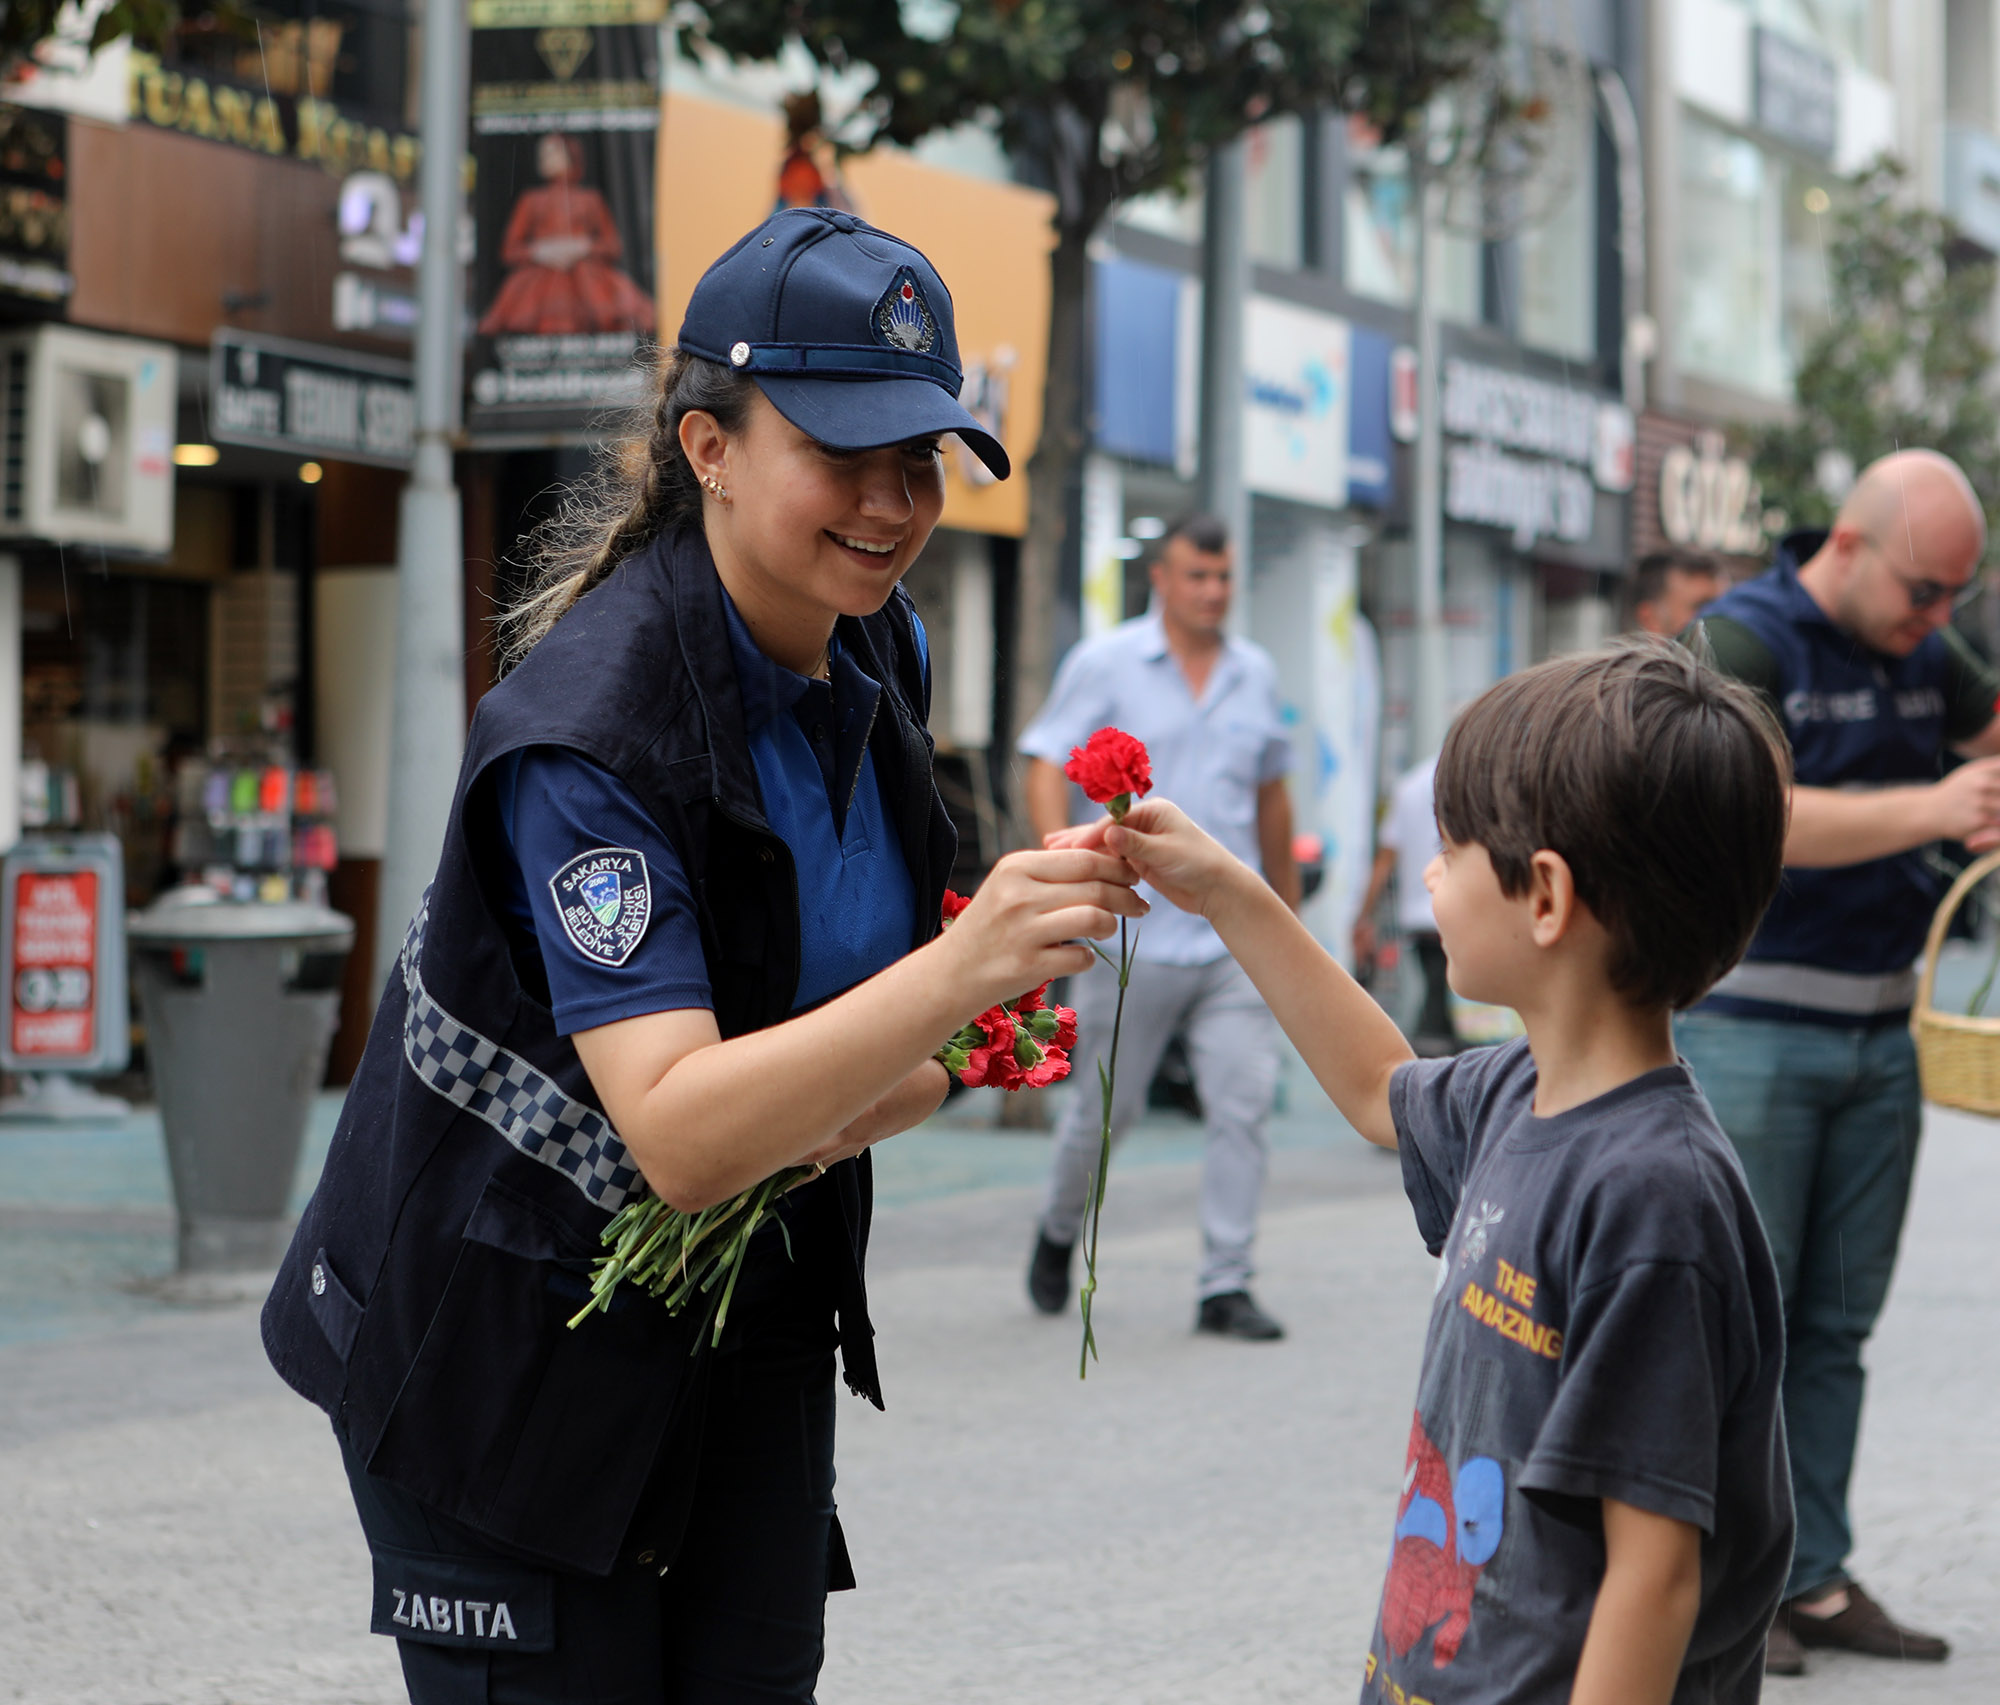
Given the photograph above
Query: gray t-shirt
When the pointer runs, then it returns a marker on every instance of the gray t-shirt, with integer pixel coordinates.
(1607, 1325)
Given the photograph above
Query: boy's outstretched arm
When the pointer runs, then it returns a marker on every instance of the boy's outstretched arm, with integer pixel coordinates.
(1351, 1045)
(1645, 1609)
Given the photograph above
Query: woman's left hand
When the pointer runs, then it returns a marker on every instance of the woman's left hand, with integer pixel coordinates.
(910, 1103)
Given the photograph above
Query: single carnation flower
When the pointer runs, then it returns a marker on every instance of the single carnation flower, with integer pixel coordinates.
(1112, 768)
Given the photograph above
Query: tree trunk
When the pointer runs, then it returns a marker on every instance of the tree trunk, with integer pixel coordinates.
(1051, 473)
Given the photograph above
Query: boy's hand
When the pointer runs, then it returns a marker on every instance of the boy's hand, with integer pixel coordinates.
(1024, 922)
(1161, 843)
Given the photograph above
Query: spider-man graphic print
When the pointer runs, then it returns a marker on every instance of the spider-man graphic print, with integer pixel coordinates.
(1447, 1529)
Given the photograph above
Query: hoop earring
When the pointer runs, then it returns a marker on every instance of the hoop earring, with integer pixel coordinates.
(715, 488)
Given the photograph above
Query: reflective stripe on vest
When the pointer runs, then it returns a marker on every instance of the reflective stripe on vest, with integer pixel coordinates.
(1852, 994)
(520, 1102)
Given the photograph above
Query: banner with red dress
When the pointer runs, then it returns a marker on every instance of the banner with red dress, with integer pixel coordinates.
(565, 115)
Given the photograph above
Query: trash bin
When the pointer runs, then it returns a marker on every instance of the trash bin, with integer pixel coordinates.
(240, 1002)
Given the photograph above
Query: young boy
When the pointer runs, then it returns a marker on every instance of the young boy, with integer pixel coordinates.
(1595, 1509)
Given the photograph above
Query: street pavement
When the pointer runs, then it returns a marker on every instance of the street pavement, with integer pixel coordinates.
(1199, 1521)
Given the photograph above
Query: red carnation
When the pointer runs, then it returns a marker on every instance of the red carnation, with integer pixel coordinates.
(954, 904)
(993, 1060)
(1112, 769)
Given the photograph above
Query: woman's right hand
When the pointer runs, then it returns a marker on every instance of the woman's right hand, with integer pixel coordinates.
(1023, 925)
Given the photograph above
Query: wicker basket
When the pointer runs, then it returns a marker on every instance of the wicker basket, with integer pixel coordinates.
(1959, 1056)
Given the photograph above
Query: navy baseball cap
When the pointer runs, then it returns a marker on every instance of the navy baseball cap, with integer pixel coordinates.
(846, 329)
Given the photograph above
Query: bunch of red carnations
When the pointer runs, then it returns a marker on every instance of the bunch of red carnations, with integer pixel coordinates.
(694, 1260)
(1019, 1044)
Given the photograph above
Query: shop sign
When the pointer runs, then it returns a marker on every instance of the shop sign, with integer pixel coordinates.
(1295, 378)
(1798, 93)
(34, 206)
(62, 954)
(565, 111)
(310, 401)
(278, 126)
(1709, 501)
(1537, 455)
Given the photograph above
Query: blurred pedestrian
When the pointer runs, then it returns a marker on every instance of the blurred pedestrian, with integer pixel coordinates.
(1206, 705)
(1406, 842)
(1669, 588)
(694, 823)
(1804, 1049)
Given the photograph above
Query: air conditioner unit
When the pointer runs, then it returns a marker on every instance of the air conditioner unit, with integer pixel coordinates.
(86, 439)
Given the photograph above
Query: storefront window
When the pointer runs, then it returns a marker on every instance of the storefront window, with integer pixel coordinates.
(1753, 261)
(1558, 258)
(1379, 235)
(1729, 299)
(1843, 28)
(114, 675)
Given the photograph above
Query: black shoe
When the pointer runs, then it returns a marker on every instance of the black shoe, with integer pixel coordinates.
(1234, 1315)
(1048, 1274)
(1864, 1626)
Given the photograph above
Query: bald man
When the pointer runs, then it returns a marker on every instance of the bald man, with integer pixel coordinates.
(1804, 1049)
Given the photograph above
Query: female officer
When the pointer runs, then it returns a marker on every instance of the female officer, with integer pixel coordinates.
(680, 937)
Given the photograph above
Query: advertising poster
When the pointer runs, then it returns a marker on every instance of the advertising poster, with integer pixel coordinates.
(565, 117)
(55, 961)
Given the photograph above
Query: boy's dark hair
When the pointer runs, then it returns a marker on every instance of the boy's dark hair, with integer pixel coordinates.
(1664, 786)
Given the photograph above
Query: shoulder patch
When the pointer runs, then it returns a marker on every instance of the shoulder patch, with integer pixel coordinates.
(605, 901)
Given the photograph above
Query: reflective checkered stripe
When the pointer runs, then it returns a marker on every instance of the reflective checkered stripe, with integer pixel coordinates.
(524, 1105)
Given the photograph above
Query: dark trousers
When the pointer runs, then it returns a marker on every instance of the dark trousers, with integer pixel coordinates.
(1434, 1017)
(1826, 1119)
(738, 1619)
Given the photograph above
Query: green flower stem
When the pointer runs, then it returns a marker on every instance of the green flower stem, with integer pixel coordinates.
(680, 1257)
(1107, 1083)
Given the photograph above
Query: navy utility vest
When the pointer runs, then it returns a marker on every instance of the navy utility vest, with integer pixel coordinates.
(1855, 719)
(424, 1300)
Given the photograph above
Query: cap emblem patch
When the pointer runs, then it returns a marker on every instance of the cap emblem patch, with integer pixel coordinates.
(903, 319)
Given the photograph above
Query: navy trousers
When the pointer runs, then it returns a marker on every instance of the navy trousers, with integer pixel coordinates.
(737, 1619)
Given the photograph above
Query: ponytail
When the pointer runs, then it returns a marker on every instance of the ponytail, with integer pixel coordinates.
(641, 488)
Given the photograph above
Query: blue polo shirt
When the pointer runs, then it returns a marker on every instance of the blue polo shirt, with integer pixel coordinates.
(1211, 753)
(593, 889)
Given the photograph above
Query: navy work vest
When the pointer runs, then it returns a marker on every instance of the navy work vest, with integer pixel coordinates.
(424, 1299)
(1855, 719)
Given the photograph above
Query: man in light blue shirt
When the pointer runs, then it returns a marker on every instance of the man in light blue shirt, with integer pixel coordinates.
(1206, 705)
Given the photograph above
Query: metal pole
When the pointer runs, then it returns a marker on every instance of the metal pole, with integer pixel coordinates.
(1430, 700)
(1623, 123)
(427, 736)
(1225, 298)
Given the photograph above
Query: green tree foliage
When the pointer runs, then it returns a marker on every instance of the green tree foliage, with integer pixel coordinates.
(1101, 100)
(1904, 359)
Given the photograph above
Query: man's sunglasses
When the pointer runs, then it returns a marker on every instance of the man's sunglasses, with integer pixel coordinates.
(1927, 594)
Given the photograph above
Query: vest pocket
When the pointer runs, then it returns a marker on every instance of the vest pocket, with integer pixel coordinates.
(333, 1306)
(511, 1422)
